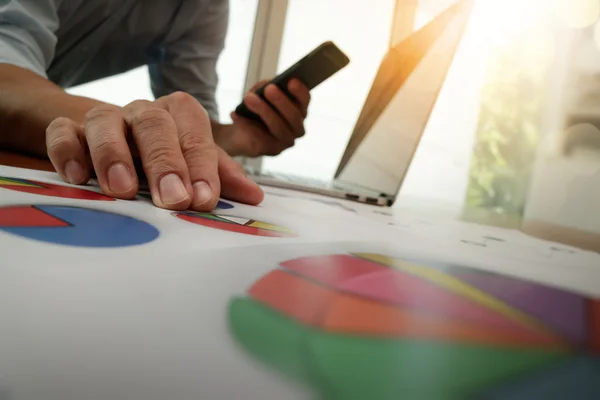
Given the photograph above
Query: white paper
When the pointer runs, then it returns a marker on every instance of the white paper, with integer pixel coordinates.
(150, 321)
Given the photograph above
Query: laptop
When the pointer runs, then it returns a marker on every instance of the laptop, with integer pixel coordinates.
(394, 115)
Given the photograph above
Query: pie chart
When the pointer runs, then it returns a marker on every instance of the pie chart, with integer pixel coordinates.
(75, 226)
(235, 224)
(48, 189)
(223, 205)
(366, 326)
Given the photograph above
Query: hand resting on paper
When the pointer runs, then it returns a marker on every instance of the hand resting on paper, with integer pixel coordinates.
(171, 138)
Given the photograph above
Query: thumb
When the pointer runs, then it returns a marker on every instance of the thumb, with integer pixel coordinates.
(235, 185)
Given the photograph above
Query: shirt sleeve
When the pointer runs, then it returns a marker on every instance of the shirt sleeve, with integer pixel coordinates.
(189, 63)
(27, 34)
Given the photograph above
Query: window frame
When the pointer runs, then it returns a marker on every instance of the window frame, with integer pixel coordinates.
(265, 48)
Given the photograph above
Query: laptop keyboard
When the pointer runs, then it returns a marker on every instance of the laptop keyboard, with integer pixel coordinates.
(296, 179)
(305, 181)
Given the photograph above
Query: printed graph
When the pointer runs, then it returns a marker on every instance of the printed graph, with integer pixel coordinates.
(48, 189)
(75, 226)
(359, 326)
(235, 224)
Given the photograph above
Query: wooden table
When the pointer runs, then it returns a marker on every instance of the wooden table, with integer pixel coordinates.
(22, 161)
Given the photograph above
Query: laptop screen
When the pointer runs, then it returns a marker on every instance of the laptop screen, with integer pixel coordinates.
(402, 97)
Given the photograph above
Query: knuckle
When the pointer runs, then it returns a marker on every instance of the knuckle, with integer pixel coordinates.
(305, 98)
(183, 99)
(60, 125)
(61, 136)
(200, 160)
(159, 151)
(195, 141)
(152, 119)
(203, 112)
(56, 143)
(160, 161)
(202, 168)
(284, 130)
(104, 142)
(136, 104)
(100, 113)
(274, 151)
(286, 142)
(296, 121)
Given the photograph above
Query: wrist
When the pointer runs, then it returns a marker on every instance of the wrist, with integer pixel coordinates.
(27, 125)
(223, 135)
(28, 104)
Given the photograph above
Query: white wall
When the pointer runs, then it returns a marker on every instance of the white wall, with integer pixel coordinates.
(565, 189)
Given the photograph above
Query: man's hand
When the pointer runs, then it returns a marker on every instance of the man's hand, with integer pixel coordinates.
(171, 137)
(283, 122)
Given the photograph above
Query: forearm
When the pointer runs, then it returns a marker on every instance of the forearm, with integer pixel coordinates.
(28, 103)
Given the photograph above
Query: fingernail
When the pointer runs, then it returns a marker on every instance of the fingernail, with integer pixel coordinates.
(120, 179)
(202, 193)
(74, 172)
(172, 190)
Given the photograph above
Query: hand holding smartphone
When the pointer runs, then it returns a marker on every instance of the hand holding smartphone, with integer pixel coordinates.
(311, 70)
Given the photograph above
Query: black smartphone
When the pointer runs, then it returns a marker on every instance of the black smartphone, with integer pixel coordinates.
(312, 69)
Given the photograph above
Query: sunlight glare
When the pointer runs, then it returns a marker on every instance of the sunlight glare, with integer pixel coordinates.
(597, 34)
(577, 14)
(498, 23)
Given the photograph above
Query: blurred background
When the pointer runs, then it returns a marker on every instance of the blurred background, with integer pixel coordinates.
(516, 123)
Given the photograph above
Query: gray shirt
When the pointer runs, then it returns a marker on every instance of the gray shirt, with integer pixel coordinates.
(71, 42)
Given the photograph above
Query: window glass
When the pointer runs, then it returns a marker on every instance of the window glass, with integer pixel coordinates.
(482, 136)
(362, 31)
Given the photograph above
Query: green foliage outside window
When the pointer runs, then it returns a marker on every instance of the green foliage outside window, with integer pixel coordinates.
(508, 132)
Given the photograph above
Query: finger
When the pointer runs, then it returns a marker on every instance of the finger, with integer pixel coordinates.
(198, 148)
(273, 121)
(302, 94)
(291, 112)
(105, 132)
(235, 185)
(155, 135)
(258, 85)
(66, 146)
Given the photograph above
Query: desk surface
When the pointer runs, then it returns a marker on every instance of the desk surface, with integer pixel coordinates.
(571, 237)
(21, 161)
(352, 304)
